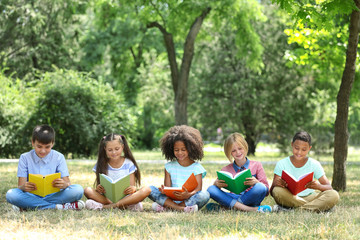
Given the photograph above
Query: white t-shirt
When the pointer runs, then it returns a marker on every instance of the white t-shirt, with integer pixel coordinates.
(116, 173)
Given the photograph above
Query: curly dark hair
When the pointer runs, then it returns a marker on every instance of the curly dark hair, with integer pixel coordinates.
(191, 138)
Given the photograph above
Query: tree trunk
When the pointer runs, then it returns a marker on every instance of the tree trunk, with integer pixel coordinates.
(341, 122)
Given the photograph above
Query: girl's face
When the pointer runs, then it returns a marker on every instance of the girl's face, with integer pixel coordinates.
(300, 149)
(180, 151)
(114, 149)
(238, 153)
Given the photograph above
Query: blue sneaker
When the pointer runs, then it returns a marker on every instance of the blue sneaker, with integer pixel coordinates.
(264, 209)
(213, 207)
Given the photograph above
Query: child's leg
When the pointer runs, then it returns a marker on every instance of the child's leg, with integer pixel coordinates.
(27, 200)
(70, 194)
(254, 196)
(225, 199)
(284, 197)
(134, 198)
(321, 201)
(90, 193)
(200, 199)
(157, 196)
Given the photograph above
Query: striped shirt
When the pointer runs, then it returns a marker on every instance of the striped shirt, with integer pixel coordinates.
(180, 174)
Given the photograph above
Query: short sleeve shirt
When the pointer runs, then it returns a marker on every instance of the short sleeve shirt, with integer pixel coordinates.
(54, 162)
(116, 173)
(310, 166)
(180, 174)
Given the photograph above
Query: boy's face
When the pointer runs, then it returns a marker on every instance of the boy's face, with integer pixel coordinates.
(300, 149)
(41, 149)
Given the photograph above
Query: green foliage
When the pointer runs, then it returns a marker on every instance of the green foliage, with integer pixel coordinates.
(81, 110)
(38, 34)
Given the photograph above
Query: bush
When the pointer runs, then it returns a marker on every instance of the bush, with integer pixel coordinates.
(80, 109)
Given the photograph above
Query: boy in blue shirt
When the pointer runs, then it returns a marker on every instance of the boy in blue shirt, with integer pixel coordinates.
(44, 160)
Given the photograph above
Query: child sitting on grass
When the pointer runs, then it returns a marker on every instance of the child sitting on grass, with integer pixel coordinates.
(181, 145)
(44, 160)
(319, 195)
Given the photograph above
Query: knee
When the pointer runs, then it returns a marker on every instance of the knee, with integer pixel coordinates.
(333, 196)
(88, 192)
(145, 190)
(153, 192)
(212, 190)
(12, 195)
(77, 189)
(260, 188)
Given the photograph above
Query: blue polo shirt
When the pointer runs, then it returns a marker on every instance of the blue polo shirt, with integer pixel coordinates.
(54, 162)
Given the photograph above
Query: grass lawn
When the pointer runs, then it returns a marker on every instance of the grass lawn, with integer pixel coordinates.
(342, 223)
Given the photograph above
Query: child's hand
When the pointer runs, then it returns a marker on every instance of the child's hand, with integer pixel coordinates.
(28, 187)
(251, 181)
(313, 185)
(182, 195)
(220, 183)
(279, 182)
(60, 183)
(100, 189)
(130, 190)
(161, 189)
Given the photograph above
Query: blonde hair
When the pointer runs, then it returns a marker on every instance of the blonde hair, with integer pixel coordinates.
(229, 142)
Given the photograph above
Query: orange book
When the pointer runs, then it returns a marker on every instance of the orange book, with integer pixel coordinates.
(190, 184)
(296, 185)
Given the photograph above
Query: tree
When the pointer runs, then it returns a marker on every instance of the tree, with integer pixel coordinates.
(34, 35)
(229, 94)
(318, 15)
(179, 23)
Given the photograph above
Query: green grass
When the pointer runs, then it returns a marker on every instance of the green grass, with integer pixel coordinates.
(342, 223)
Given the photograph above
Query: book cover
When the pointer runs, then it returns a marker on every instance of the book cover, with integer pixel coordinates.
(236, 183)
(296, 186)
(190, 184)
(114, 188)
(44, 183)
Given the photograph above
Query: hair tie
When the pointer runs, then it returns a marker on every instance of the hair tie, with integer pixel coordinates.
(104, 137)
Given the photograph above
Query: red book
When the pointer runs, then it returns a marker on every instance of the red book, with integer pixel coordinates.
(295, 186)
(190, 184)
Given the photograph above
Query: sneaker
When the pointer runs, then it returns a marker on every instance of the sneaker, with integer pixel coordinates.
(191, 209)
(157, 207)
(77, 205)
(264, 209)
(213, 207)
(16, 208)
(94, 205)
(136, 207)
(278, 208)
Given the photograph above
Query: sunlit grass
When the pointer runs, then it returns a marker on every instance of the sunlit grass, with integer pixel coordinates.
(342, 223)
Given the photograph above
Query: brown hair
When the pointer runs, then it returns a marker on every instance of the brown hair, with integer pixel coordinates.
(191, 138)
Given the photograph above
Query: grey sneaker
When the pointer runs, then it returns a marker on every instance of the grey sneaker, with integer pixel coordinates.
(278, 208)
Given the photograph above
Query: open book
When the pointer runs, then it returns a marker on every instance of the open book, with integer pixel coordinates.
(44, 183)
(114, 188)
(236, 183)
(296, 185)
(190, 184)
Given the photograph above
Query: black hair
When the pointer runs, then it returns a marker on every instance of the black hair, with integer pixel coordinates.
(103, 160)
(302, 136)
(191, 138)
(43, 134)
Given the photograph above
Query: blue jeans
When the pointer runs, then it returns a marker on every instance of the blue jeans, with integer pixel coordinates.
(252, 198)
(200, 198)
(28, 200)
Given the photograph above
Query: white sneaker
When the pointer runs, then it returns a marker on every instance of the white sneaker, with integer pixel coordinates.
(77, 205)
(138, 207)
(94, 205)
(191, 209)
(157, 207)
(15, 208)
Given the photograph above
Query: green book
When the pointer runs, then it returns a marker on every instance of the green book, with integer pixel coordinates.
(236, 183)
(114, 189)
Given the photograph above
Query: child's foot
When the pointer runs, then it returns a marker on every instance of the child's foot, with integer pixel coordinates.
(191, 209)
(157, 207)
(136, 207)
(213, 207)
(278, 208)
(77, 205)
(17, 209)
(264, 209)
(94, 205)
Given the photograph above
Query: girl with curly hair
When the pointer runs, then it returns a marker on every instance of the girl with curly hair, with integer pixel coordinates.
(182, 146)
